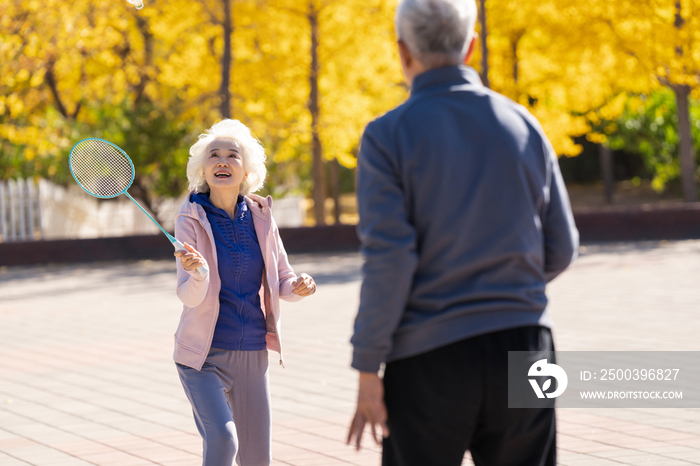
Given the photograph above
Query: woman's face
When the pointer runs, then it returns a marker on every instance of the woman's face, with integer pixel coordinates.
(223, 167)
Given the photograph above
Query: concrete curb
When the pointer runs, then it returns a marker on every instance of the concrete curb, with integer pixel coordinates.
(637, 223)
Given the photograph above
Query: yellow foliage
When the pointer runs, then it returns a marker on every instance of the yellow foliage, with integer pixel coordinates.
(662, 39)
(29, 154)
(614, 108)
(560, 126)
(596, 138)
(567, 61)
(560, 57)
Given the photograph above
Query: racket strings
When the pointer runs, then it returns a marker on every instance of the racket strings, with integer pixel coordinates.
(101, 168)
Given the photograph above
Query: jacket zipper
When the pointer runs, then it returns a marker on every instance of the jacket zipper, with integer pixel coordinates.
(238, 281)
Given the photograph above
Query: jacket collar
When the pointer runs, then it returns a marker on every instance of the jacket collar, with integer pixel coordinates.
(203, 200)
(445, 77)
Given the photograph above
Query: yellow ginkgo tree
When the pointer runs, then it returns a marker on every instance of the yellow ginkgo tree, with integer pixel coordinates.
(663, 39)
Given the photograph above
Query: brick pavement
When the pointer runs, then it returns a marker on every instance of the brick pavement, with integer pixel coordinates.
(86, 376)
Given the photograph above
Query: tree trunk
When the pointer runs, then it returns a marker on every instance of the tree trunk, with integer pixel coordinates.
(335, 182)
(606, 168)
(319, 192)
(50, 79)
(225, 91)
(484, 45)
(514, 42)
(687, 149)
(142, 25)
(514, 48)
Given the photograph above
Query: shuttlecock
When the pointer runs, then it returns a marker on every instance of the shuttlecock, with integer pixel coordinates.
(137, 3)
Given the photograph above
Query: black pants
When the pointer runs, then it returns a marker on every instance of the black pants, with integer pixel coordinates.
(455, 398)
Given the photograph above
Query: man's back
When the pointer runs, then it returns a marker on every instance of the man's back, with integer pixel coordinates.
(463, 219)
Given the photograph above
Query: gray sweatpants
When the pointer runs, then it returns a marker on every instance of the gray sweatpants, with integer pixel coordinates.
(230, 400)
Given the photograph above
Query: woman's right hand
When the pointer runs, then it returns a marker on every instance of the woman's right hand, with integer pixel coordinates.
(190, 259)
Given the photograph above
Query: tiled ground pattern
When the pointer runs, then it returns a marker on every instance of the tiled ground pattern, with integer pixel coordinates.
(86, 376)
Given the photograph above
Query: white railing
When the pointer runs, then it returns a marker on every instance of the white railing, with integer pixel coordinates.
(71, 213)
(20, 211)
(289, 212)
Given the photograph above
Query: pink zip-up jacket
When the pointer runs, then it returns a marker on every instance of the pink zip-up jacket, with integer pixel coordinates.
(200, 295)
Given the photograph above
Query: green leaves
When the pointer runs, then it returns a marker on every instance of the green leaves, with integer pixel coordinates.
(648, 125)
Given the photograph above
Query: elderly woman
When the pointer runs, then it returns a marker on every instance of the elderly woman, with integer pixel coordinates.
(231, 313)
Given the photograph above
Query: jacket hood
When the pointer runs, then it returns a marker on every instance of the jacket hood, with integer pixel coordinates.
(258, 205)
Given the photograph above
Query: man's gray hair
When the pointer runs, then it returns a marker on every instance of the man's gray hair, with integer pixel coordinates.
(437, 32)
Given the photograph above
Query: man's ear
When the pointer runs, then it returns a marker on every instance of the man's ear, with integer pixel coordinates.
(405, 54)
(470, 50)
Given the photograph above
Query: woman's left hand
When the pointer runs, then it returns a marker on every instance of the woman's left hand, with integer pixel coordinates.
(304, 285)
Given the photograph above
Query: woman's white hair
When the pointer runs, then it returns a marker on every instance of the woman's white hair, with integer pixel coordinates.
(437, 32)
(253, 155)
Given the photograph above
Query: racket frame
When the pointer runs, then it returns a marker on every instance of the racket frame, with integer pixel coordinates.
(177, 244)
(133, 170)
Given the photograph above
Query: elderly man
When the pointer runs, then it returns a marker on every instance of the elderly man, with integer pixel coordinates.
(464, 218)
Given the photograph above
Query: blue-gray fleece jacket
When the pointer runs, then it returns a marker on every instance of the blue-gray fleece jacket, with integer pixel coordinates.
(464, 218)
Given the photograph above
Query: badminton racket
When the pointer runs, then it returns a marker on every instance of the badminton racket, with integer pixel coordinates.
(105, 171)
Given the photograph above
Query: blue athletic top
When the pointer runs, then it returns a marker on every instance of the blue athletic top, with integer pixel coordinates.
(241, 323)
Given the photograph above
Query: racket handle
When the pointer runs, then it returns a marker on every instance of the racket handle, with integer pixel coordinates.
(203, 270)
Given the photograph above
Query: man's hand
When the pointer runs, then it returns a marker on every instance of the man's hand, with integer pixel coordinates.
(370, 408)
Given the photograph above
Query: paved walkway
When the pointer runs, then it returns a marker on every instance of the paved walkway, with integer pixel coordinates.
(86, 376)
